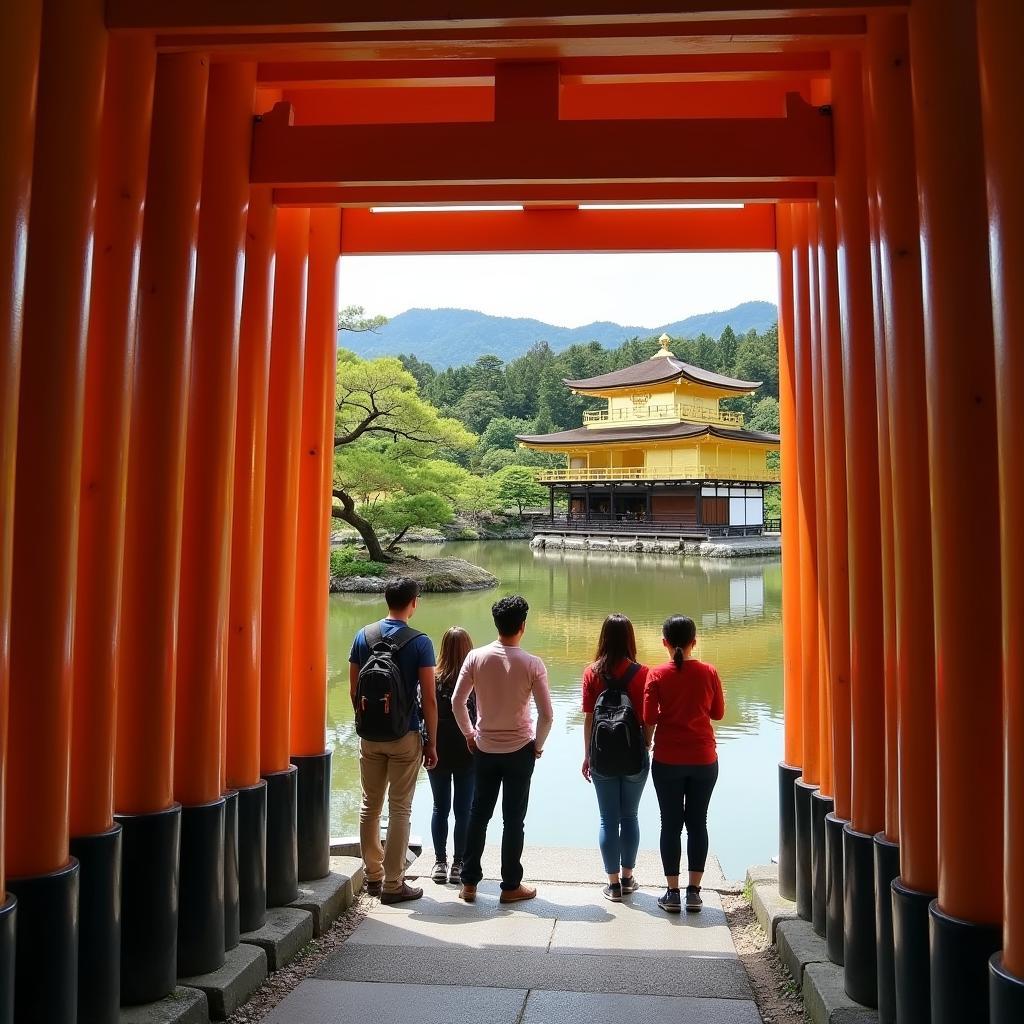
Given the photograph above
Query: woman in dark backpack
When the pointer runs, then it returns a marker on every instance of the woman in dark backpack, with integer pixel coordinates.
(615, 756)
(454, 768)
(682, 699)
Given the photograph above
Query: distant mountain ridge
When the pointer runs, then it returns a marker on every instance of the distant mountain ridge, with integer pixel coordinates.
(455, 337)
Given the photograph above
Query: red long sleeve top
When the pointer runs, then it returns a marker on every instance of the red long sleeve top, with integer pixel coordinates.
(682, 703)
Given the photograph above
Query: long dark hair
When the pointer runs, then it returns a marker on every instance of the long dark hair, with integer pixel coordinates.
(616, 642)
(680, 631)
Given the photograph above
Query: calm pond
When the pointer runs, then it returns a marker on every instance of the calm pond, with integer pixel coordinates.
(736, 604)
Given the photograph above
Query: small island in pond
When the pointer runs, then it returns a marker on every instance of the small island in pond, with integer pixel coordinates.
(434, 575)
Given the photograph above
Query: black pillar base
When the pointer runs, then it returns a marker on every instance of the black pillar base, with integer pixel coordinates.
(252, 857)
(8, 925)
(802, 795)
(912, 956)
(231, 928)
(201, 889)
(46, 965)
(314, 815)
(787, 831)
(282, 837)
(821, 806)
(887, 869)
(834, 888)
(1006, 993)
(149, 904)
(99, 926)
(860, 948)
(960, 967)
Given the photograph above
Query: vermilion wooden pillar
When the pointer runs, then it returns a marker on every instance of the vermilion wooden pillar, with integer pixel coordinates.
(96, 839)
(867, 689)
(892, 123)
(206, 539)
(1000, 28)
(242, 746)
(886, 841)
(822, 802)
(143, 782)
(806, 524)
(789, 769)
(966, 920)
(836, 499)
(19, 66)
(316, 471)
(49, 443)
(284, 434)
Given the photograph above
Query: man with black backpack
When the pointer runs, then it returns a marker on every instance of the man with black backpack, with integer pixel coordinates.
(390, 664)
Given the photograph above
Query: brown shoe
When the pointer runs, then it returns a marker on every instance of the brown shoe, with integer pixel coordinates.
(524, 892)
(374, 888)
(468, 893)
(403, 895)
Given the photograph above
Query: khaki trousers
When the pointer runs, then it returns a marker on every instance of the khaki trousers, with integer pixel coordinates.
(392, 767)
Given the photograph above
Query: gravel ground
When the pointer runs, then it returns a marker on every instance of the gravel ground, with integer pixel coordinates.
(778, 997)
(279, 984)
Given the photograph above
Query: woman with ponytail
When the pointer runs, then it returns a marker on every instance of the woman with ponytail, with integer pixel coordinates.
(681, 699)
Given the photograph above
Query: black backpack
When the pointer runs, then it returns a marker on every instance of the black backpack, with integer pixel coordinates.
(616, 738)
(384, 701)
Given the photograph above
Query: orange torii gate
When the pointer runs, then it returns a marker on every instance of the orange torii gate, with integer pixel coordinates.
(179, 180)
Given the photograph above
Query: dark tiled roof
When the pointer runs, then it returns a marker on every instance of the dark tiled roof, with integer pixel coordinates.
(660, 370)
(673, 432)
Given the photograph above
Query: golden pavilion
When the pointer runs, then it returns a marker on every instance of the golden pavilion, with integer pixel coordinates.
(663, 455)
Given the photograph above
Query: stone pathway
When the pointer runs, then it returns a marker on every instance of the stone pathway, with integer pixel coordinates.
(567, 956)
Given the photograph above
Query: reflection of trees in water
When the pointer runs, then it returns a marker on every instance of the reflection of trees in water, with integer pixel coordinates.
(736, 604)
(344, 744)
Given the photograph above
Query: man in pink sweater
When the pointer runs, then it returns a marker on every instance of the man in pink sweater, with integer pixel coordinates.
(505, 748)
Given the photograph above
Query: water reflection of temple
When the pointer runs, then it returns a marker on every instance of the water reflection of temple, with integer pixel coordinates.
(737, 608)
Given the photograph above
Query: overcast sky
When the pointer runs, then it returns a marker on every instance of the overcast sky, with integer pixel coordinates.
(635, 289)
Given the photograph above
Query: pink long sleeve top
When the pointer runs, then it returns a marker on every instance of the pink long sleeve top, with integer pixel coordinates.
(505, 680)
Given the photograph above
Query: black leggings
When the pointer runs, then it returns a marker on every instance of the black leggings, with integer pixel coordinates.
(684, 793)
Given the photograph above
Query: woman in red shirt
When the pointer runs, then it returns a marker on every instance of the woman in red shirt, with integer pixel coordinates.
(618, 796)
(681, 700)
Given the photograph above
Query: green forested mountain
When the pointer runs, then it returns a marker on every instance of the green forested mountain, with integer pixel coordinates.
(452, 337)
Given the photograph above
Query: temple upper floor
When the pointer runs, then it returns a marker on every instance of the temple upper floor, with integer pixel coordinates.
(663, 390)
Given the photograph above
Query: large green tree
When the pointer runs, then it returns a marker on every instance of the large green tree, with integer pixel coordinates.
(516, 487)
(385, 433)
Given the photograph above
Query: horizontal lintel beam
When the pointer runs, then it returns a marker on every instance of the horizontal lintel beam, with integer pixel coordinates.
(796, 147)
(563, 195)
(748, 229)
(329, 15)
(438, 104)
(701, 67)
(634, 39)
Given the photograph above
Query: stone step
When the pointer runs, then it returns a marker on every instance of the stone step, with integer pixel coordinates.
(346, 1002)
(227, 988)
(565, 864)
(510, 967)
(182, 1006)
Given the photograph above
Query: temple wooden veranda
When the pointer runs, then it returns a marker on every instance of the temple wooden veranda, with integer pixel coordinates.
(177, 181)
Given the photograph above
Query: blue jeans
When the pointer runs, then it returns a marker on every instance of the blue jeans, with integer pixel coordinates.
(618, 799)
(442, 782)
